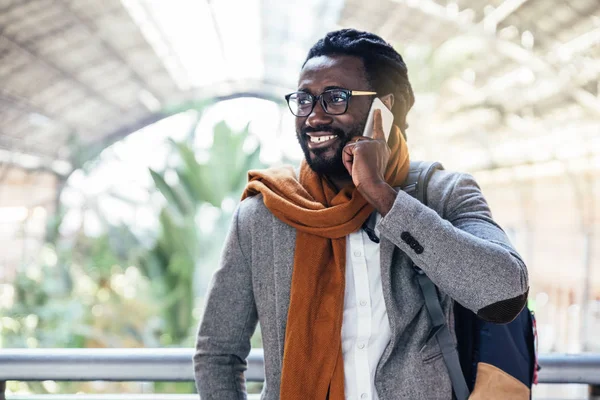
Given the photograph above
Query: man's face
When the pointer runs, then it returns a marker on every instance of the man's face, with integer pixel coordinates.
(320, 74)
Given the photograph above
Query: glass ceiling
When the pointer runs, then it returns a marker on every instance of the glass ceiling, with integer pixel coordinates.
(207, 42)
(511, 71)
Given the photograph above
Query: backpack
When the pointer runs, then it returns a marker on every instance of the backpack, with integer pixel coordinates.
(510, 347)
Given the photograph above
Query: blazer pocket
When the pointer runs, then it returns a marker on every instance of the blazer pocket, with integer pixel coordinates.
(430, 351)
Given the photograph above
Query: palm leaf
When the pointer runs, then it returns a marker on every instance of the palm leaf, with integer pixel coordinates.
(196, 178)
(173, 198)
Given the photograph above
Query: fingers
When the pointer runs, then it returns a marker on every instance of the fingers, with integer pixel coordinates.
(378, 126)
(348, 157)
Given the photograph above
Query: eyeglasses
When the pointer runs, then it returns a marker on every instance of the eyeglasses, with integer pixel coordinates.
(333, 101)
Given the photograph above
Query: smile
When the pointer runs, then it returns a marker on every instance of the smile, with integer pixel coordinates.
(321, 139)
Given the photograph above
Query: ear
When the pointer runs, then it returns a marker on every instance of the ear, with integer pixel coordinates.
(388, 100)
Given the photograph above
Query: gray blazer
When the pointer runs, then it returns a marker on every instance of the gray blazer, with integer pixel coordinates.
(458, 245)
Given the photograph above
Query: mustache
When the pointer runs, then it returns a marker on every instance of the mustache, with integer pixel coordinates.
(324, 128)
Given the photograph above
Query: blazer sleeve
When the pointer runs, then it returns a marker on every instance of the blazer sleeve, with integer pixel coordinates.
(228, 322)
(466, 254)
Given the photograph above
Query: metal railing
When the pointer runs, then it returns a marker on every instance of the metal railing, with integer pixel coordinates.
(175, 364)
(120, 365)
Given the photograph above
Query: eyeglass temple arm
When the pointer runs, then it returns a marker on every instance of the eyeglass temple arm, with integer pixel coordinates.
(361, 93)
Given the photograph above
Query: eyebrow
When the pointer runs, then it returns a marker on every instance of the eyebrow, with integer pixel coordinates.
(325, 89)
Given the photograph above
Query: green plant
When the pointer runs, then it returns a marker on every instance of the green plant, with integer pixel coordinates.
(112, 290)
(190, 189)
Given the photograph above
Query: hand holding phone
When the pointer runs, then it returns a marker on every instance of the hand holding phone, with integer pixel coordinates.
(366, 160)
(386, 116)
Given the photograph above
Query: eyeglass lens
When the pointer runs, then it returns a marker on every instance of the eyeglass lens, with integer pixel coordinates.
(333, 101)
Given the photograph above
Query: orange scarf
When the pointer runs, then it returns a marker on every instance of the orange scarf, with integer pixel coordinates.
(312, 356)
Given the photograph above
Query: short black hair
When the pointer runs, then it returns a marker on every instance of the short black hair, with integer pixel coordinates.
(384, 66)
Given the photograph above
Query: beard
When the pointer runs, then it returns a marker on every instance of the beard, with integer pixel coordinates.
(318, 160)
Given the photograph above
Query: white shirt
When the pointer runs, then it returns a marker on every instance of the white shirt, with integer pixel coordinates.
(365, 327)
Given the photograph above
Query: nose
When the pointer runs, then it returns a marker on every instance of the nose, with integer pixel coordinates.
(318, 116)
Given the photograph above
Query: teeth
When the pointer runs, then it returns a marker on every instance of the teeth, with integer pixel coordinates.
(321, 139)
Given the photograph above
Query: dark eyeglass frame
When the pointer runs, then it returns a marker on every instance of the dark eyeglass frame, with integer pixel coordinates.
(348, 92)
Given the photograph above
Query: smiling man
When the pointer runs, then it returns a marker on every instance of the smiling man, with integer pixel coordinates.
(341, 313)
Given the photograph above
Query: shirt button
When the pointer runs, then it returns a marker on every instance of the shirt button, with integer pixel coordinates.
(357, 254)
(364, 396)
(363, 303)
(361, 346)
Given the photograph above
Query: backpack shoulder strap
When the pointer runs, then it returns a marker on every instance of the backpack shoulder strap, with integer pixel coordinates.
(416, 185)
(418, 178)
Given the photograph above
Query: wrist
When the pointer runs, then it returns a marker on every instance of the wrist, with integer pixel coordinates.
(380, 195)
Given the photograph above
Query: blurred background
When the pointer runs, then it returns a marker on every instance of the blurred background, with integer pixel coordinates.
(127, 128)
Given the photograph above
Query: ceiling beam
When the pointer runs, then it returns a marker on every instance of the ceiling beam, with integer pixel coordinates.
(513, 51)
(16, 4)
(24, 105)
(213, 17)
(62, 72)
(434, 9)
(34, 162)
(501, 13)
(262, 90)
(93, 31)
(149, 19)
(538, 64)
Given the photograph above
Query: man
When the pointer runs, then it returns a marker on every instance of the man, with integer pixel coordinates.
(341, 313)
